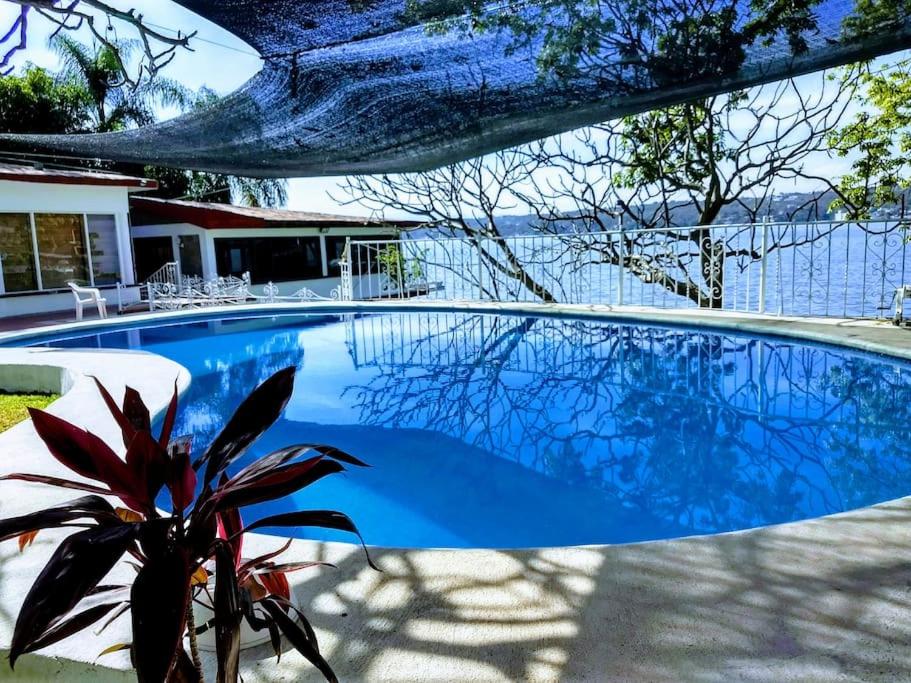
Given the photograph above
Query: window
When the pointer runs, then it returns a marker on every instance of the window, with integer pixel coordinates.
(275, 259)
(17, 256)
(105, 255)
(190, 255)
(62, 254)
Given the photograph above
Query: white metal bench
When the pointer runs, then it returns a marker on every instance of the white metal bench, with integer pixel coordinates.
(88, 296)
(901, 293)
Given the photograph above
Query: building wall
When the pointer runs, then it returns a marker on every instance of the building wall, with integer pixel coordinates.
(22, 197)
(321, 286)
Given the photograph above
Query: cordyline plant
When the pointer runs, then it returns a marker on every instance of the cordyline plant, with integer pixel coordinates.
(171, 552)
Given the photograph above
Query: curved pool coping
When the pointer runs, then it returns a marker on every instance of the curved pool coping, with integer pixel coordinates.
(823, 599)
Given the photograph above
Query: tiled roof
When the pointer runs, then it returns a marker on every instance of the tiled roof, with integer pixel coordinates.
(31, 174)
(148, 210)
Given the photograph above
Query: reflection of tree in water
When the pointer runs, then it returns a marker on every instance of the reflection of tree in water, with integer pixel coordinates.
(704, 431)
(227, 378)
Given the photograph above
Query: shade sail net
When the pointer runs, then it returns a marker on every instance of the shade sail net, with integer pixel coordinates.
(366, 86)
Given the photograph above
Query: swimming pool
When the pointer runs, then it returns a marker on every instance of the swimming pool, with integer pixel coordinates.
(505, 431)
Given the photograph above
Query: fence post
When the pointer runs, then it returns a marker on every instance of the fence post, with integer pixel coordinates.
(763, 263)
(621, 270)
(480, 270)
(346, 272)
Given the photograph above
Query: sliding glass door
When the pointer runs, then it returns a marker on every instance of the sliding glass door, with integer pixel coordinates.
(62, 255)
(44, 251)
(17, 254)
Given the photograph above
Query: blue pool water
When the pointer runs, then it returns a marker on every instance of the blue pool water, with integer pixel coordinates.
(504, 432)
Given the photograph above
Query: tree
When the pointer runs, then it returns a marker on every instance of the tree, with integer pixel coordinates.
(90, 84)
(675, 166)
(681, 166)
(115, 105)
(36, 102)
(879, 136)
(158, 49)
(466, 199)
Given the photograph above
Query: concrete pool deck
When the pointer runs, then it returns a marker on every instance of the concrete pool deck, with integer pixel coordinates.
(821, 600)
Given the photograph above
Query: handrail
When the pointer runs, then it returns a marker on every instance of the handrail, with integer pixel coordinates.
(831, 268)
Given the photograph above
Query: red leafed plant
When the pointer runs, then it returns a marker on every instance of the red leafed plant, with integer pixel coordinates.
(172, 551)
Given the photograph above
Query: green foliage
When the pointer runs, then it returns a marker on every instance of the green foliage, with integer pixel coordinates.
(90, 95)
(36, 102)
(397, 268)
(115, 104)
(700, 40)
(680, 146)
(880, 137)
(14, 407)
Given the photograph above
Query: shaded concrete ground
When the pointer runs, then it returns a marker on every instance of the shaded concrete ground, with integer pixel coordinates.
(822, 600)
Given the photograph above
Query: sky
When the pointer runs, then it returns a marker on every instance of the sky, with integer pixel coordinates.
(222, 62)
(219, 60)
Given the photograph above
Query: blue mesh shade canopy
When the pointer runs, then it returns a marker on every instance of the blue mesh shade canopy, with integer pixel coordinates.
(367, 86)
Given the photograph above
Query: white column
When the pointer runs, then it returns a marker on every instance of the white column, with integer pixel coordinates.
(324, 255)
(207, 244)
(124, 248)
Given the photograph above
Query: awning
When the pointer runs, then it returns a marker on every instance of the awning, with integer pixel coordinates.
(366, 86)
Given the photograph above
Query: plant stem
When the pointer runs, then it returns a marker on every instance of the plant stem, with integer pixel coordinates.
(194, 646)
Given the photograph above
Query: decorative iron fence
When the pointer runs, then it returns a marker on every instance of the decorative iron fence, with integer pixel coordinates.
(828, 269)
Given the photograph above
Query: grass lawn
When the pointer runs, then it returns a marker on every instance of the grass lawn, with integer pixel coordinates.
(13, 407)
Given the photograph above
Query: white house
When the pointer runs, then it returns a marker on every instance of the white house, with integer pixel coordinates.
(60, 225)
(292, 249)
(63, 225)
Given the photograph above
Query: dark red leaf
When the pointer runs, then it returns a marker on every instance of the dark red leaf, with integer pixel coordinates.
(280, 482)
(85, 454)
(288, 567)
(64, 628)
(252, 564)
(276, 583)
(336, 454)
(148, 466)
(286, 455)
(159, 606)
(136, 411)
(60, 483)
(326, 519)
(230, 528)
(270, 461)
(299, 639)
(253, 417)
(126, 427)
(275, 638)
(227, 614)
(167, 425)
(74, 569)
(91, 507)
(181, 478)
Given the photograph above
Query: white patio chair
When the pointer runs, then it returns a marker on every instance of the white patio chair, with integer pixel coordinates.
(88, 296)
(901, 293)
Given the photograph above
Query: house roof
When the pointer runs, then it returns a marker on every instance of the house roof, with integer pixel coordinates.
(153, 211)
(31, 174)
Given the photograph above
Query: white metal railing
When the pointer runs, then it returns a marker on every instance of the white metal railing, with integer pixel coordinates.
(828, 268)
(168, 274)
(194, 292)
